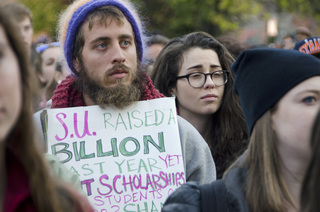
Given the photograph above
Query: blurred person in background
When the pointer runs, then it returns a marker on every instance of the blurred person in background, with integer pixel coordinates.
(309, 45)
(61, 71)
(302, 33)
(45, 63)
(287, 42)
(23, 17)
(154, 47)
(232, 44)
(27, 184)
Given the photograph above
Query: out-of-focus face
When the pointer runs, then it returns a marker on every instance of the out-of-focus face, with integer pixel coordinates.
(65, 71)
(206, 99)
(301, 36)
(288, 43)
(109, 53)
(153, 51)
(49, 58)
(10, 87)
(26, 31)
(293, 119)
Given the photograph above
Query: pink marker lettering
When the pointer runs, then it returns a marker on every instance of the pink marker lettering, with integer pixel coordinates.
(86, 128)
(63, 125)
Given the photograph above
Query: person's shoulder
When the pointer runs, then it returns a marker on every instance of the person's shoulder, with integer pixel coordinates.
(235, 179)
(80, 202)
(186, 128)
(182, 123)
(186, 198)
(189, 134)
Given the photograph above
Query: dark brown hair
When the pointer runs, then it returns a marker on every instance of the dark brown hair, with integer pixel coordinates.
(227, 133)
(18, 11)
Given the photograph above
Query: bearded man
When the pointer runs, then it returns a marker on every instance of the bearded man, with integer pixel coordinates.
(103, 42)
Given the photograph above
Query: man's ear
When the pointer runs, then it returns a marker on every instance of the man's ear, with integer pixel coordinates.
(76, 65)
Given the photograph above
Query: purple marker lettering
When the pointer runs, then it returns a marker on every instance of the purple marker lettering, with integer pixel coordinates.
(149, 182)
(108, 197)
(138, 180)
(178, 156)
(134, 197)
(170, 159)
(117, 207)
(63, 125)
(127, 198)
(115, 182)
(86, 127)
(104, 177)
(127, 183)
(145, 195)
(98, 201)
(88, 186)
(165, 160)
(115, 199)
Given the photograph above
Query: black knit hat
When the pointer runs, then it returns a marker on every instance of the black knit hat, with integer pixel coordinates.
(263, 76)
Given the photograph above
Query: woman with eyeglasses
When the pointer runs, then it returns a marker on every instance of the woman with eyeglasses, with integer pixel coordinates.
(195, 69)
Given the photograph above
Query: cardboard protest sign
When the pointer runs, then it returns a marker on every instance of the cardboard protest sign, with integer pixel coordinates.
(127, 160)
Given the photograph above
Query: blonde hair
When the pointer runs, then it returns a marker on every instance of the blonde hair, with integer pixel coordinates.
(265, 187)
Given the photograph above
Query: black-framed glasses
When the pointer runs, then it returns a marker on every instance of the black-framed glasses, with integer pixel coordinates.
(198, 79)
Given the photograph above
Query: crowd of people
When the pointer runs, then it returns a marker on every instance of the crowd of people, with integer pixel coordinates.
(248, 118)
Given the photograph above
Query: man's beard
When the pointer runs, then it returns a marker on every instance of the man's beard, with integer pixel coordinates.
(121, 95)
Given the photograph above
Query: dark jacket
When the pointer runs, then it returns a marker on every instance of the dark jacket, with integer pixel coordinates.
(187, 197)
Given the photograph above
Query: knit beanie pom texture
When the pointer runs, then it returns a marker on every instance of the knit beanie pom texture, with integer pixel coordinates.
(72, 19)
(264, 76)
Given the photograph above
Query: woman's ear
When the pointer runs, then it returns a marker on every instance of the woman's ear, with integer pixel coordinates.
(173, 92)
(42, 78)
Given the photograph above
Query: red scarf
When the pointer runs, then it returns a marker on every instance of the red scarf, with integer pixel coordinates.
(66, 94)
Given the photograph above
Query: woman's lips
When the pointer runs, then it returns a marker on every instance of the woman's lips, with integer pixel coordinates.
(210, 97)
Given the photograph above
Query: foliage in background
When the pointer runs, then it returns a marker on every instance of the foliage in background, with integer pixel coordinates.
(302, 7)
(45, 14)
(177, 17)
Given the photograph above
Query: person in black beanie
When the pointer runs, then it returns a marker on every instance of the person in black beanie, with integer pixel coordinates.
(279, 92)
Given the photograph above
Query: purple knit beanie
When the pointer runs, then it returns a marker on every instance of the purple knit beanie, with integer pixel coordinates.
(69, 25)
